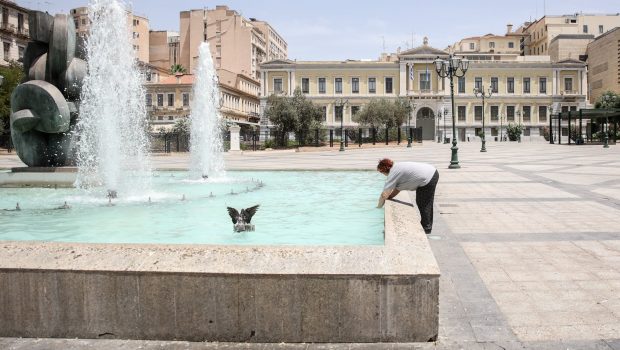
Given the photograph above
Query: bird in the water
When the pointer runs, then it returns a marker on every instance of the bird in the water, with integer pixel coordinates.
(242, 220)
(64, 206)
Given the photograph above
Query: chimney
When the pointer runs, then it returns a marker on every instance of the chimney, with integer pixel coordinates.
(508, 28)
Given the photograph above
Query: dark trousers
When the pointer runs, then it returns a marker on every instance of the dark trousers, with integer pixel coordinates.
(424, 198)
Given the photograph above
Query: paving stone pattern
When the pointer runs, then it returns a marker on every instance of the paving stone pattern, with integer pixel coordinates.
(527, 237)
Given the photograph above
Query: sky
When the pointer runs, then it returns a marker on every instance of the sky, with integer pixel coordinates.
(349, 29)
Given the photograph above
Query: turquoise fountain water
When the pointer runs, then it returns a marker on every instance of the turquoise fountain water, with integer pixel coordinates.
(300, 208)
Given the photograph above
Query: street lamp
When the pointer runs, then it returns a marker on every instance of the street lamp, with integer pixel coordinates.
(445, 113)
(342, 102)
(453, 66)
(479, 92)
(551, 125)
(520, 128)
(501, 127)
(412, 111)
(438, 119)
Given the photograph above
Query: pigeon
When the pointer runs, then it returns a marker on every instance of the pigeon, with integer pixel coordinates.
(242, 220)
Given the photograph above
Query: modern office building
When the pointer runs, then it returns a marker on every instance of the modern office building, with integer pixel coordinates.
(138, 27)
(604, 64)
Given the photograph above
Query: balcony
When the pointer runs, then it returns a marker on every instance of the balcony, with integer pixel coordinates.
(7, 27)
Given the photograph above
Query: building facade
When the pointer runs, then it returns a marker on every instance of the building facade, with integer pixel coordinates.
(14, 31)
(524, 90)
(137, 25)
(276, 47)
(604, 64)
(541, 32)
(491, 43)
(164, 50)
(169, 98)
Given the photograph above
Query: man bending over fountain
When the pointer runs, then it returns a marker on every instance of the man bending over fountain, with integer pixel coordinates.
(411, 176)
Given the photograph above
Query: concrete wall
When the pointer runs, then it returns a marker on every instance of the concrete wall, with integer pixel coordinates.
(604, 65)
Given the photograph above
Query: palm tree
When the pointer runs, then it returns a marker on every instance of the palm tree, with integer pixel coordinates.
(177, 68)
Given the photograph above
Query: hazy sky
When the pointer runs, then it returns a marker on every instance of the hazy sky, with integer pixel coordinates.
(341, 29)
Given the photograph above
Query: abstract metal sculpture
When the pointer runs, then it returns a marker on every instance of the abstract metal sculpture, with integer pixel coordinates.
(44, 108)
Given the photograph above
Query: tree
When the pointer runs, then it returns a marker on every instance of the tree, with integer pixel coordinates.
(384, 112)
(13, 75)
(292, 114)
(177, 68)
(514, 131)
(309, 116)
(182, 126)
(282, 115)
(608, 99)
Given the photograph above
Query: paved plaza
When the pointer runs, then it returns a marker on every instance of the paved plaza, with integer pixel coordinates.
(527, 237)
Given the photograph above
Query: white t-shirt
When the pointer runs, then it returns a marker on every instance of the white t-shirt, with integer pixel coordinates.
(408, 176)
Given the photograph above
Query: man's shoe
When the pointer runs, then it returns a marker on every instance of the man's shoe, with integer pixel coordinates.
(428, 232)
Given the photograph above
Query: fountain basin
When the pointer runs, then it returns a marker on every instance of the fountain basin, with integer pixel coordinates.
(373, 293)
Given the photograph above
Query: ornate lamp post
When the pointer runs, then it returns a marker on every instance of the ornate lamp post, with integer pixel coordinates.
(450, 68)
(342, 103)
(413, 107)
(480, 93)
(551, 124)
(439, 112)
(501, 127)
(520, 128)
(445, 113)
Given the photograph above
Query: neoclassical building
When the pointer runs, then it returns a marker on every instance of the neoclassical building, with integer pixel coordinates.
(524, 88)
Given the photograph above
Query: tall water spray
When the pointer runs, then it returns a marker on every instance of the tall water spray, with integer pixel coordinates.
(206, 138)
(113, 143)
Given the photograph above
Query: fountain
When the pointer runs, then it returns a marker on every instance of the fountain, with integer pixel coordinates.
(113, 146)
(151, 266)
(206, 139)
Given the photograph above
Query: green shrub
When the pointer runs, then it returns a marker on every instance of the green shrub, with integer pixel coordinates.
(514, 131)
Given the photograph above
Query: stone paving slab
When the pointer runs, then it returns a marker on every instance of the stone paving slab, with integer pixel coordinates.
(527, 237)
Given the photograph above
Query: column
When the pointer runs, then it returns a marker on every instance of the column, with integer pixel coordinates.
(293, 83)
(235, 145)
(403, 77)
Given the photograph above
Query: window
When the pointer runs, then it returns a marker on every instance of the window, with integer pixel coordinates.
(83, 21)
(20, 51)
(160, 100)
(277, 85)
(510, 113)
(185, 99)
(322, 88)
(461, 85)
(542, 83)
(170, 117)
(511, 45)
(160, 117)
(149, 100)
(388, 86)
(478, 83)
(324, 113)
(372, 85)
(425, 81)
(7, 50)
(526, 85)
(338, 85)
(494, 85)
(564, 109)
(568, 84)
(494, 113)
(472, 46)
(461, 110)
(585, 28)
(510, 85)
(355, 85)
(527, 113)
(478, 113)
(542, 113)
(600, 29)
(305, 85)
(337, 113)
(136, 22)
(354, 110)
(491, 45)
(20, 22)
(170, 100)
(77, 23)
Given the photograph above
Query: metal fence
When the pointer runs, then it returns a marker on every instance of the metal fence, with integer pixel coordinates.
(169, 142)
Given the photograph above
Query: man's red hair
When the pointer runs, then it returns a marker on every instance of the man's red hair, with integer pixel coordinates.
(385, 165)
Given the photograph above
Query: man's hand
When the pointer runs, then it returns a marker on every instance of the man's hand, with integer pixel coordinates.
(387, 194)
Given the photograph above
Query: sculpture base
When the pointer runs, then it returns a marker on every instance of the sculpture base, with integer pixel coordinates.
(38, 177)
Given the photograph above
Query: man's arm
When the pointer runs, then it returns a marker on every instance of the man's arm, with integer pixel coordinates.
(387, 194)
